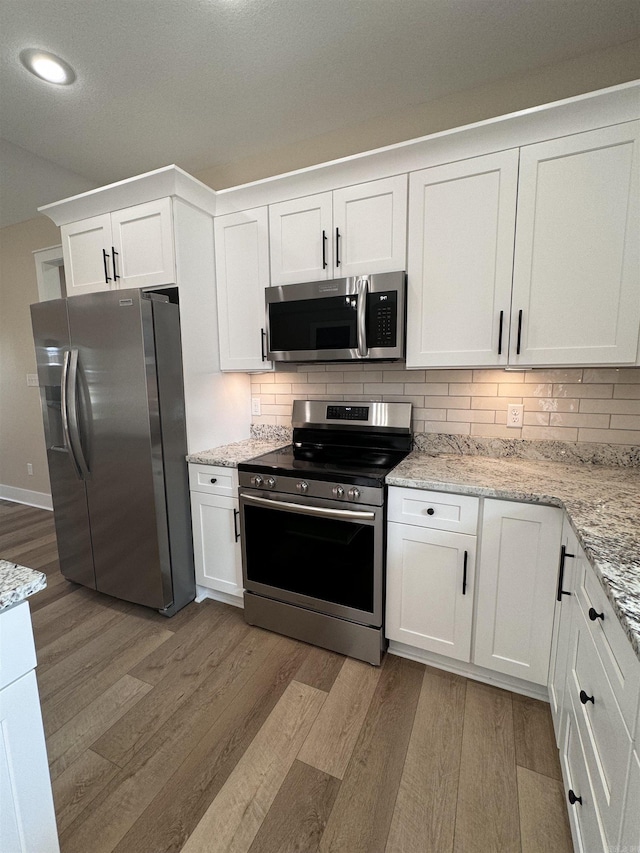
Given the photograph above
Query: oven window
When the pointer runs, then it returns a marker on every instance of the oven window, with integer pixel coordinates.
(314, 324)
(322, 558)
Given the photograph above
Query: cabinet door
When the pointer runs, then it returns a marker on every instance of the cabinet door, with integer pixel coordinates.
(86, 249)
(630, 838)
(143, 245)
(576, 286)
(562, 626)
(429, 592)
(27, 818)
(517, 588)
(217, 554)
(242, 274)
(370, 227)
(461, 227)
(301, 244)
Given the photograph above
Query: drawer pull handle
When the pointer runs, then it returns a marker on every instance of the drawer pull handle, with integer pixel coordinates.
(584, 698)
(430, 511)
(214, 480)
(464, 573)
(593, 614)
(573, 799)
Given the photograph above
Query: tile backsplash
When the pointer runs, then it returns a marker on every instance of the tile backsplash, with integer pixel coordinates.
(569, 404)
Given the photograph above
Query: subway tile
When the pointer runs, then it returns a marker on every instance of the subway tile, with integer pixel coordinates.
(568, 419)
(583, 390)
(315, 368)
(610, 436)
(417, 426)
(267, 399)
(345, 388)
(498, 375)
(383, 388)
(474, 389)
(549, 433)
(362, 376)
(626, 392)
(613, 407)
(448, 375)
(415, 400)
(409, 376)
(447, 427)
(265, 419)
(430, 388)
(277, 410)
(275, 389)
(612, 374)
(308, 388)
(263, 378)
(334, 378)
(430, 414)
(573, 374)
(333, 368)
(366, 398)
(525, 389)
(282, 420)
(551, 404)
(494, 431)
(438, 402)
(289, 378)
(471, 415)
(623, 422)
(498, 404)
(534, 418)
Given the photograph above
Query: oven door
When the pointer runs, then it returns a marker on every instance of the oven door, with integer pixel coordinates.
(314, 553)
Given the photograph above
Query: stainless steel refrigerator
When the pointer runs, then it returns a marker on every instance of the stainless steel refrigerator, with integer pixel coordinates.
(110, 376)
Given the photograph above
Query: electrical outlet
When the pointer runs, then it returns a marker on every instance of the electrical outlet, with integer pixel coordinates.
(255, 406)
(515, 413)
(30, 469)
(32, 380)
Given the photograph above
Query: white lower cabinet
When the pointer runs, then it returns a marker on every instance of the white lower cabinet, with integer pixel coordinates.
(215, 519)
(430, 578)
(630, 837)
(27, 818)
(516, 588)
(498, 616)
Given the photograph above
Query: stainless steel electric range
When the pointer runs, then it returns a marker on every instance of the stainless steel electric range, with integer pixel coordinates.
(313, 525)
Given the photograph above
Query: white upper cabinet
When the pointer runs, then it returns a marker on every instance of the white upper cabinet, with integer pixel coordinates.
(132, 247)
(460, 263)
(86, 249)
(242, 274)
(351, 231)
(576, 284)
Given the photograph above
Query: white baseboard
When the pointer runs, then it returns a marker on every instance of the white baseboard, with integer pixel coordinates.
(203, 592)
(25, 496)
(470, 670)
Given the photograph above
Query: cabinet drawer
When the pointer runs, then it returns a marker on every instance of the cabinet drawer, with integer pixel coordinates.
(438, 510)
(213, 479)
(606, 742)
(618, 658)
(586, 828)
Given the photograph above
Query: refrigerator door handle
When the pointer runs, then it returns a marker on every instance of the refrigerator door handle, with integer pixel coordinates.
(64, 410)
(71, 411)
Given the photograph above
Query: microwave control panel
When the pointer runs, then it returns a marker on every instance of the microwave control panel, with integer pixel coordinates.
(382, 319)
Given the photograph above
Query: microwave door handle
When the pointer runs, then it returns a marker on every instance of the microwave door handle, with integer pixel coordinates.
(363, 290)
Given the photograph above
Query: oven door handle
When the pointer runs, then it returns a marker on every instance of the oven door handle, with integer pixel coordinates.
(318, 511)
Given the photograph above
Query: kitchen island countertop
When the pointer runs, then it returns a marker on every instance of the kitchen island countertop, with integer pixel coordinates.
(230, 455)
(603, 505)
(18, 582)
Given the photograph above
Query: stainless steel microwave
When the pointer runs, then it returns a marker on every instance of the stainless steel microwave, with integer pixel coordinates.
(360, 318)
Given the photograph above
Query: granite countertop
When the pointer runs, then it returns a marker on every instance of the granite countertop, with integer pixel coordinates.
(603, 505)
(18, 582)
(229, 455)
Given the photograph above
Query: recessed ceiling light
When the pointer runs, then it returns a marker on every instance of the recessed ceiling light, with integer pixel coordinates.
(47, 66)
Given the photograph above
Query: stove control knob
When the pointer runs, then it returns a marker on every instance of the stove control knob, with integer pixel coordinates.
(338, 492)
(354, 494)
(257, 481)
(302, 487)
(270, 482)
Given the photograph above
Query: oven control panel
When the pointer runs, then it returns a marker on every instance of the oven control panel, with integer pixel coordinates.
(323, 489)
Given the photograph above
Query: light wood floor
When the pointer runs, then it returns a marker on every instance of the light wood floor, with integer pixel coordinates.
(200, 733)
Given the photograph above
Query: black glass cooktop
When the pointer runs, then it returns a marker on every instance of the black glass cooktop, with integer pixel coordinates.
(353, 466)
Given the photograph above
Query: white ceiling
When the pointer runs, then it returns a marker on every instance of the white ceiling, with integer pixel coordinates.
(201, 83)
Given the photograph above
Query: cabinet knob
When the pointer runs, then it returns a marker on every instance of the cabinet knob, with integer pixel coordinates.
(584, 698)
(573, 799)
(214, 480)
(593, 614)
(430, 511)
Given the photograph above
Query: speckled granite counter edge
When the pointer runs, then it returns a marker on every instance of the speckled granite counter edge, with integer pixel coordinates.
(18, 582)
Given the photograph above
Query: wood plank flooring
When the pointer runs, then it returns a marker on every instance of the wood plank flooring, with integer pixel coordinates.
(201, 734)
